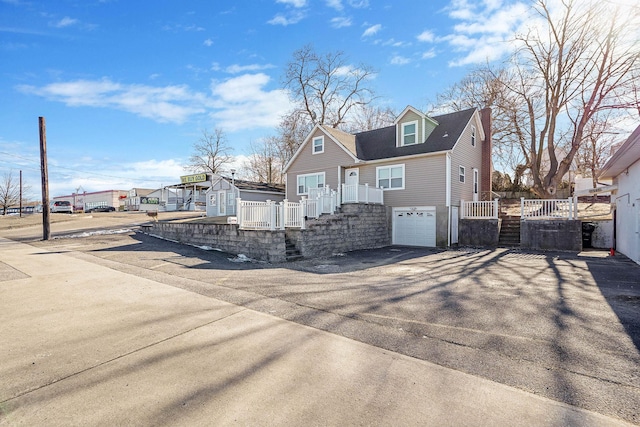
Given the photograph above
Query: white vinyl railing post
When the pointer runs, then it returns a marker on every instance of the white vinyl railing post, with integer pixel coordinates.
(366, 193)
(522, 207)
(282, 214)
(463, 209)
(496, 206)
(239, 213)
(271, 215)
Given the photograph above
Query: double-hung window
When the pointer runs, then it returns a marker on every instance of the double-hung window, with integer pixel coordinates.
(409, 133)
(462, 173)
(310, 180)
(390, 177)
(473, 136)
(318, 145)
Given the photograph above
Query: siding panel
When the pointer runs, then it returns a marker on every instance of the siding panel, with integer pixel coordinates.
(464, 154)
(327, 162)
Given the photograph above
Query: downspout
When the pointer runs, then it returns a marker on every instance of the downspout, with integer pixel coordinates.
(448, 195)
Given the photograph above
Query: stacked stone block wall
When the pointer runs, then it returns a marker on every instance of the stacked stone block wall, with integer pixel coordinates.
(358, 226)
(257, 244)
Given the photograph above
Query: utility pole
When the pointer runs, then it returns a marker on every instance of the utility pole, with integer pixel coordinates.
(46, 225)
(20, 194)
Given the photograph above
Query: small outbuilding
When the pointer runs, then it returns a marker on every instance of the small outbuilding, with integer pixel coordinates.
(624, 169)
(224, 191)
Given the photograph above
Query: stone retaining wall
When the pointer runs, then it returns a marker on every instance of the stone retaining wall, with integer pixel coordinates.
(479, 232)
(359, 226)
(256, 244)
(563, 235)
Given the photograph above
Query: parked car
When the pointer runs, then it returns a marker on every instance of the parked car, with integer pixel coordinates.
(101, 209)
(61, 206)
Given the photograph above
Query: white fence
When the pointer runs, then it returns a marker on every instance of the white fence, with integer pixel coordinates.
(362, 194)
(479, 210)
(548, 208)
(270, 215)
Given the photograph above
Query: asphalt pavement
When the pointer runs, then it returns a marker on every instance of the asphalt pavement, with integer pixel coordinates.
(562, 326)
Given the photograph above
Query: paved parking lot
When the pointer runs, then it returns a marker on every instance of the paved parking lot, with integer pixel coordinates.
(561, 325)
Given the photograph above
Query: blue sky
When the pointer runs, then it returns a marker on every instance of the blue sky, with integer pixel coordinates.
(126, 87)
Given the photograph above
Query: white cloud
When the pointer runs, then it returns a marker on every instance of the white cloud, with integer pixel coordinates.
(426, 36)
(358, 4)
(485, 30)
(372, 30)
(208, 42)
(163, 104)
(235, 68)
(292, 18)
(90, 175)
(400, 60)
(340, 22)
(242, 102)
(429, 54)
(294, 3)
(335, 4)
(65, 22)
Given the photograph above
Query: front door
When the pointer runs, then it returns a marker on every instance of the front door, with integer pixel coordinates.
(352, 176)
(222, 200)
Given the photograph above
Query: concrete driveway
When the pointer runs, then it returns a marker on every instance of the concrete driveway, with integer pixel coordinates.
(559, 325)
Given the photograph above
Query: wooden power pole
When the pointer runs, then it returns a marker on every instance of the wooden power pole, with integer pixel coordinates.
(21, 194)
(46, 224)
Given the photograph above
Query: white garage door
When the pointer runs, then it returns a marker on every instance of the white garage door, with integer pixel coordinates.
(414, 226)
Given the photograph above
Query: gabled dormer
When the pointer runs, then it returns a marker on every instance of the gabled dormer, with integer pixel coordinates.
(413, 127)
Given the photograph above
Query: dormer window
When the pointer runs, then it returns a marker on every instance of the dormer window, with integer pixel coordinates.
(318, 145)
(409, 134)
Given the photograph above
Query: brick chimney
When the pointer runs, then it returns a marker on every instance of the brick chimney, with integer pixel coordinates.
(487, 171)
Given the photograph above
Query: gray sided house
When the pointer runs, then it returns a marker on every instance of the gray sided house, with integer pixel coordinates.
(426, 166)
(223, 194)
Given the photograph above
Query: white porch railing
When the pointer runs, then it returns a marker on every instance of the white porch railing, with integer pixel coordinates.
(270, 215)
(548, 208)
(362, 194)
(479, 210)
(326, 201)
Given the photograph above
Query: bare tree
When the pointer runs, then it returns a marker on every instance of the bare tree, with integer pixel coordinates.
(487, 87)
(325, 87)
(264, 163)
(9, 192)
(574, 67)
(211, 153)
(601, 134)
(577, 66)
(368, 117)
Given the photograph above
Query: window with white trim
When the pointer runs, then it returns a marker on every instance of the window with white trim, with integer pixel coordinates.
(462, 173)
(231, 198)
(318, 145)
(310, 180)
(390, 177)
(409, 133)
(473, 136)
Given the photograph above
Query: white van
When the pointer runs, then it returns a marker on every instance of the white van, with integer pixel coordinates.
(61, 206)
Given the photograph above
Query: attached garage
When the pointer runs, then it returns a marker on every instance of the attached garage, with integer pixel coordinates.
(415, 226)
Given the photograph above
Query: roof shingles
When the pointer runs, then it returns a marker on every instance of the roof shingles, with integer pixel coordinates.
(381, 143)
